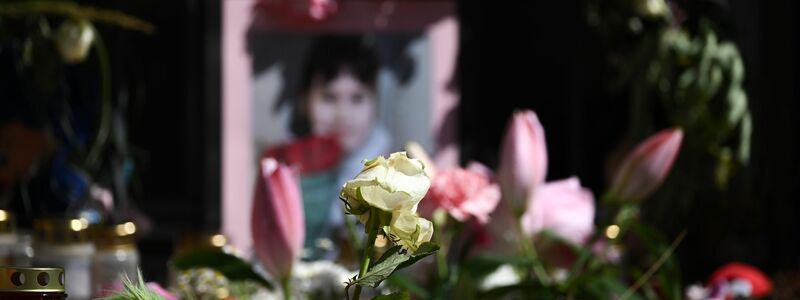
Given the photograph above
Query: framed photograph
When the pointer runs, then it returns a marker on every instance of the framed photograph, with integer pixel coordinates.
(322, 92)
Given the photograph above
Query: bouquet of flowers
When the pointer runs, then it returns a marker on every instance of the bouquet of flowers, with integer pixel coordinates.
(500, 236)
(515, 234)
(493, 236)
(505, 235)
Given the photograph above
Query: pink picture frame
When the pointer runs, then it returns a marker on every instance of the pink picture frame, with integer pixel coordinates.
(435, 18)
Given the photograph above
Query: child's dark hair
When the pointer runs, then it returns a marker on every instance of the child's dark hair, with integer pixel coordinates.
(327, 58)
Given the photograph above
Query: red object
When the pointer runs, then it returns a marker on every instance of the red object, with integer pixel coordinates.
(761, 284)
(21, 147)
(299, 11)
(483, 237)
(310, 155)
(353, 16)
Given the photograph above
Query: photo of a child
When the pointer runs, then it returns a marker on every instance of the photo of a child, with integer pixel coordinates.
(341, 97)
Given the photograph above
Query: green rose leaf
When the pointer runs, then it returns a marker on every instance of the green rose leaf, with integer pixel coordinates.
(392, 260)
(382, 268)
(423, 251)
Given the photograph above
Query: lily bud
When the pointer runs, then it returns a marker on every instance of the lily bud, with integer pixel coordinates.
(645, 169)
(523, 160)
(277, 220)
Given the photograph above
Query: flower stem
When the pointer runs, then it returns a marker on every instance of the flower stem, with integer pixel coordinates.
(530, 250)
(286, 284)
(441, 261)
(441, 255)
(369, 248)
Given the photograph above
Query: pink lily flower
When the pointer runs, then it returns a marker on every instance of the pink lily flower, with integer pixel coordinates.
(277, 220)
(645, 169)
(563, 207)
(523, 160)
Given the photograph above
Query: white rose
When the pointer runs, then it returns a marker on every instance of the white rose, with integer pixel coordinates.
(409, 230)
(393, 184)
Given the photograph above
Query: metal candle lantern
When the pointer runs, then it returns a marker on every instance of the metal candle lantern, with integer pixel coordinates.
(32, 283)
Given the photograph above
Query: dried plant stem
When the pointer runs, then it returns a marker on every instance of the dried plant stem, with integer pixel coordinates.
(76, 11)
(657, 265)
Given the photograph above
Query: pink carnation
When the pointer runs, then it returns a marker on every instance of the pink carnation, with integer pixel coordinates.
(465, 193)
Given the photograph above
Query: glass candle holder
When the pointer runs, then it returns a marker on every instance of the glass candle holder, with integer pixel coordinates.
(65, 243)
(116, 257)
(22, 250)
(8, 237)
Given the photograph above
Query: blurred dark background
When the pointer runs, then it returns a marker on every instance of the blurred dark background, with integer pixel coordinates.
(166, 91)
(542, 55)
(532, 54)
(174, 123)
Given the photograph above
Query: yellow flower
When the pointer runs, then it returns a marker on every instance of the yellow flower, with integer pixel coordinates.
(393, 184)
(409, 230)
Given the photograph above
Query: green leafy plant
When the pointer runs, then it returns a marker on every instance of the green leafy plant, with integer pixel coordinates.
(137, 290)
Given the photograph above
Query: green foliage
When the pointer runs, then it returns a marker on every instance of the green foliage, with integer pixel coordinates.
(382, 268)
(423, 251)
(244, 289)
(698, 81)
(233, 267)
(396, 258)
(401, 282)
(135, 290)
(669, 275)
(481, 266)
(654, 275)
(674, 75)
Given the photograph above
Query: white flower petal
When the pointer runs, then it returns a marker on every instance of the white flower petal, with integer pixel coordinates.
(397, 183)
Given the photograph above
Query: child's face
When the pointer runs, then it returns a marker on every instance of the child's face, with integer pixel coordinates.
(343, 107)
